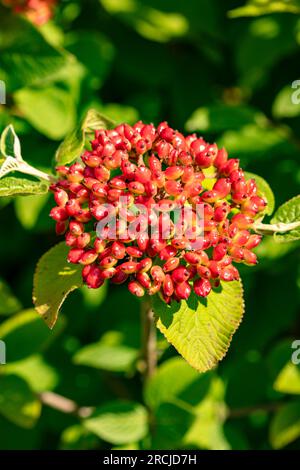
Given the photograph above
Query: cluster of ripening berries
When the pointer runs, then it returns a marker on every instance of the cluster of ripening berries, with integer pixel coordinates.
(36, 11)
(148, 165)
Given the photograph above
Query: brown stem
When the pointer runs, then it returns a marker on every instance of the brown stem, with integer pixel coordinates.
(65, 405)
(248, 410)
(149, 347)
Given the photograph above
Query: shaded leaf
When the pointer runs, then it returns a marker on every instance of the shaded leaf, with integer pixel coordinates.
(71, 148)
(18, 403)
(9, 304)
(28, 209)
(24, 334)
(54, 279)
(285, 426)
(206, 432)
(25, 56)
(220, 118)
(176, 379)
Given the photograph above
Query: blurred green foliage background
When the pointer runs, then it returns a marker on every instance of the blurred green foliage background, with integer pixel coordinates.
(228, 77)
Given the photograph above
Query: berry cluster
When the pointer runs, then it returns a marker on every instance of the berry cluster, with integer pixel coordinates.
(37, 11)
(147, 165)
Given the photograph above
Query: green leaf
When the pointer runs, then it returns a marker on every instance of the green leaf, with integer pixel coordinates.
(18, 403)
(93, 50)
(206, 432)
(25, 334)
(172, 422)
(10, 145)
(71, 148)
(288, 380)
(220, 118)
(253, 142)
(76, 437)
(285, 426)
(262, 44)
(38, 374)
(54, 279)
(50, 110)
(151, 23)
(119, 422)
(93, 298)
(201, 330)
(25, 56)
(176, 379)
(283, 106)
(264, 190)
(13, 186)
(119, 113)
(9, 304)
(118, 358)
(261, 7)
(288, 213)
(28, 209)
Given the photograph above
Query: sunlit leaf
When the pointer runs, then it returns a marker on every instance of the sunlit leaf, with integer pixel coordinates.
(201, 330)
(288, 213)
(119, 422)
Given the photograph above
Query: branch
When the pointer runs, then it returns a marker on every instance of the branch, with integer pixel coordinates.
(248, 410)
(149, 347)
(65, 405)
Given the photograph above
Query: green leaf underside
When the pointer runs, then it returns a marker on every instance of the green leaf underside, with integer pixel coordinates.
(73, 145)
(10, 143)
(119, 422)
(18, 403)
(12, 186)
(264, 190)
(54, 279)
(288, 213)
(201, 329)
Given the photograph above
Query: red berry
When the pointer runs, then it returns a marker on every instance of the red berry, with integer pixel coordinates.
(202, 287)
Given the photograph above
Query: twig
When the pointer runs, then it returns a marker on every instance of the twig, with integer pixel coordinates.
(248, 410)
(65, 405)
